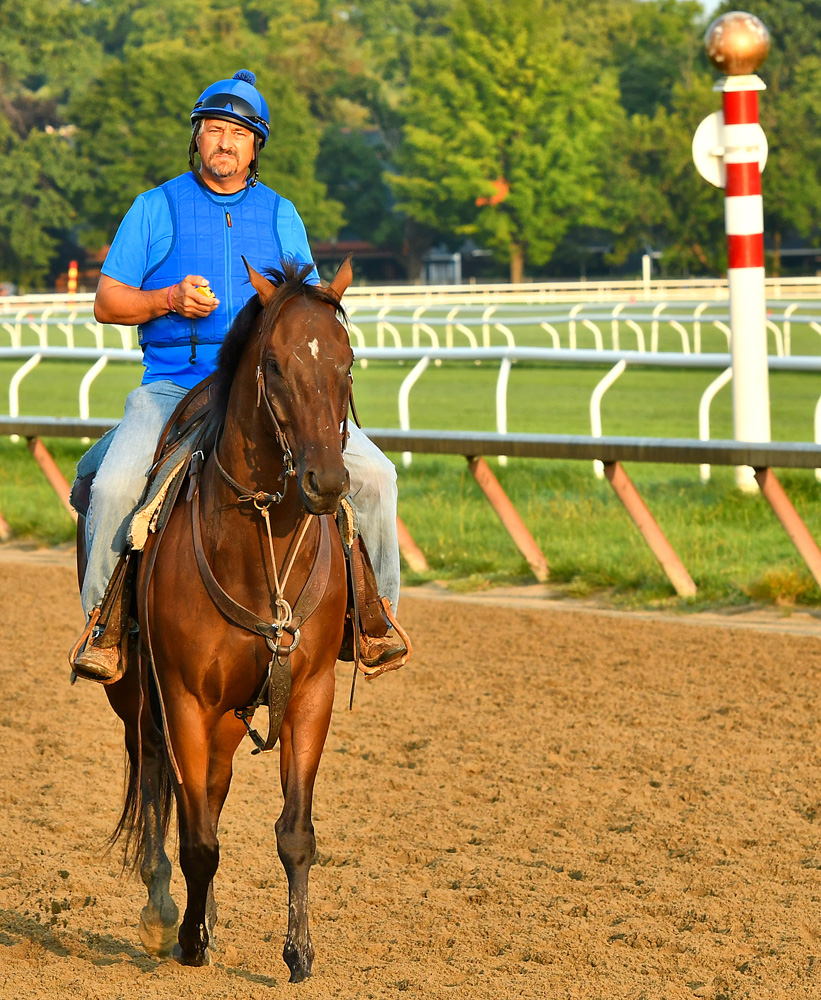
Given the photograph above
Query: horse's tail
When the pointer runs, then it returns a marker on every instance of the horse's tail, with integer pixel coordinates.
(158, 791)
(131, 825)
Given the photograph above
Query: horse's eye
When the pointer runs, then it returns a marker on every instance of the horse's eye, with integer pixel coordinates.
(273, 367)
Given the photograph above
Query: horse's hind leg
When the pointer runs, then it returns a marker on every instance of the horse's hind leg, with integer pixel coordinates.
(149, 812)
(160, 916)
(301, 741)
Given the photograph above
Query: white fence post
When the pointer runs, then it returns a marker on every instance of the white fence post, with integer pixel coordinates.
(403, 400)
(704, 414)
(595, 408)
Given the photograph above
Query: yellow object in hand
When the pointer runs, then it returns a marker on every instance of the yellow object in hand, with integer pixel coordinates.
(206, 291)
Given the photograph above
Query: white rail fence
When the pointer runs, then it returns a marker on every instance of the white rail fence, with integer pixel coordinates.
(638, 325)
(536, 292)
(619, 361)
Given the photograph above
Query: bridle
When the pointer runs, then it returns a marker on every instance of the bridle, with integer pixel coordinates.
(289, 470)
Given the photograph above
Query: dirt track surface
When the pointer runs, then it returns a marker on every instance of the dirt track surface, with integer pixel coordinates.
(545, 804)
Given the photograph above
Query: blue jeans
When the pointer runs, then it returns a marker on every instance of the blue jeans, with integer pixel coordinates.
(120, 482)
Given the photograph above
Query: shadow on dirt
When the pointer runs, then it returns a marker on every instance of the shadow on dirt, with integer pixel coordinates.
(99, 949)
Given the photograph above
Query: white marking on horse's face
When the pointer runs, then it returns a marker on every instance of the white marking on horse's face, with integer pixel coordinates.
(314, 345)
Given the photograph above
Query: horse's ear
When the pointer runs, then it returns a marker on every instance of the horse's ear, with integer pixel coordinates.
(262, 286)
(343, 278)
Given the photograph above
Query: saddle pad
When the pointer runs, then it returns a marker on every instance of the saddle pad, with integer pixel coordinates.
(152, 513)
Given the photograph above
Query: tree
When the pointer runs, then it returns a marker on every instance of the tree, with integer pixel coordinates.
(660, 199)
(507, 127)
(40, 185)
(42, 60)
(352, 166)
(791, 183)
(655, 46)
(133, 121)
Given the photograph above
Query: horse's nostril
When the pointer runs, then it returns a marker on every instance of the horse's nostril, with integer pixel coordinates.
(324, 484)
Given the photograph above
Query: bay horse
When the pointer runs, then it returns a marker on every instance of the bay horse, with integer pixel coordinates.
(282, 383)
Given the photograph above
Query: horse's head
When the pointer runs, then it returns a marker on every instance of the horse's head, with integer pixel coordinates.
(303, 379)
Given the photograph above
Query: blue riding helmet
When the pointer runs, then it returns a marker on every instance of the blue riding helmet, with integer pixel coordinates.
(235, 100)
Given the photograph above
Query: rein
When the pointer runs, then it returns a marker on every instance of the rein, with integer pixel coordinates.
(277, 684)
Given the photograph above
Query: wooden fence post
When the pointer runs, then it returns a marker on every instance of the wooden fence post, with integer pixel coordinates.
(651, 532)
(509, 517)
(414, 556)
(52, 473)
(789, 517)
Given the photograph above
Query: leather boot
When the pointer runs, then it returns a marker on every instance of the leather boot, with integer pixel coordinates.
(383, 644)
(379, 654)
(98, 663)
(381, 649)
(90, 659)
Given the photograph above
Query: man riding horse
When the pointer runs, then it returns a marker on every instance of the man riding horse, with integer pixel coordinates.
(175, 270)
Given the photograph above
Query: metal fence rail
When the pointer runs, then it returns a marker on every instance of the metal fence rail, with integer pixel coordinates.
(683, 451)
(610, 451)
(619, 362)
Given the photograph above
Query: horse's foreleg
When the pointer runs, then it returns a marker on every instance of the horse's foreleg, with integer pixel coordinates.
(301, 740)
(199, 847)
(227, 737)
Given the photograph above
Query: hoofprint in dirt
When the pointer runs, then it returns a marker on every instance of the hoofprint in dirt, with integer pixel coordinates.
(543, 804)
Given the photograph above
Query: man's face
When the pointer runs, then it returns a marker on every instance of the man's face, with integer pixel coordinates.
(225, 148)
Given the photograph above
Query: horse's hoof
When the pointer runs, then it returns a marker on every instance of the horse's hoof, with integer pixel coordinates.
(299, 964)
(196, 959)
(157, 938)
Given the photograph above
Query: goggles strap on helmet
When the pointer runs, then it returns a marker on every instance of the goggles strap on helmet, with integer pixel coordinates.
(254, 164)
(192, 148)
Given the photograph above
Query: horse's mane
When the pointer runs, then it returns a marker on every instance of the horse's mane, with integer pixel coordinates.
(291, 281)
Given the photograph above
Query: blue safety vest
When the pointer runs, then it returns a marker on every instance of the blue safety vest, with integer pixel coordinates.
(211, 234)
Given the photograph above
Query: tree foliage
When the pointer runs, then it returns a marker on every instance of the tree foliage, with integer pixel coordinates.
(527, 127)
(506, 130)
(42, 62)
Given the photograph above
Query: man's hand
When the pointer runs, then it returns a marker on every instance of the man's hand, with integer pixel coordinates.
(119, 303)
(188, 298)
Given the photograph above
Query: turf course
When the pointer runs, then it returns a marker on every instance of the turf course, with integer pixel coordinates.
(731, 543)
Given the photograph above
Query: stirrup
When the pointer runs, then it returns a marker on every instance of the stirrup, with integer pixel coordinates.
(88, 636)
(395, 662)
(103, 664)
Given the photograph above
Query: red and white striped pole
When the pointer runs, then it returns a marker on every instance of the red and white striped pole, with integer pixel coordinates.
(737, 43)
